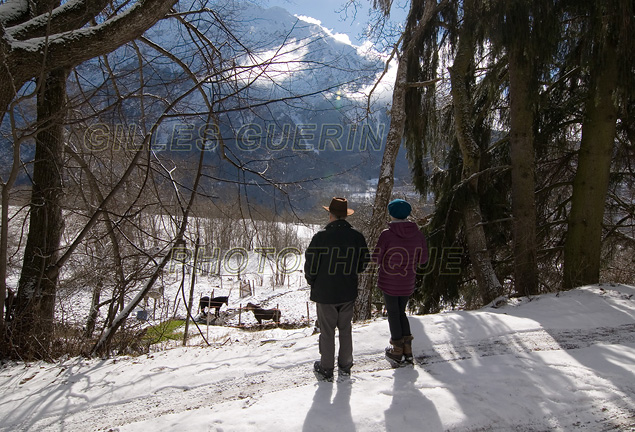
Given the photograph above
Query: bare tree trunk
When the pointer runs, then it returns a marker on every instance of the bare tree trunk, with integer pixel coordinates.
(584, 236)
(387, 169)
(190, 304)
(35, 300)
(523, 174)
(7, 86)
(384, 187)
(4, 227)
(488, 283)
(34, 50)
(4, 246)
(94, 311)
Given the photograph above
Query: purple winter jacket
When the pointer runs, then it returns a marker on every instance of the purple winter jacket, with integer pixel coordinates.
(400, 249)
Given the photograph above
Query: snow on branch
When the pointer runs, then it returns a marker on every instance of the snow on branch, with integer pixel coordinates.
(69, 48)
(13, 10)
(71, 15)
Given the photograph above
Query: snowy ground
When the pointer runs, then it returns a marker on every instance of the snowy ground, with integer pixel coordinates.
(556, 363)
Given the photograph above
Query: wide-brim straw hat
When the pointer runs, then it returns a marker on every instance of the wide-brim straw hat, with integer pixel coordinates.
(339, 207)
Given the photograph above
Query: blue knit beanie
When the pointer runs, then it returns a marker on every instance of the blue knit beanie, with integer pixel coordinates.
(399, 209)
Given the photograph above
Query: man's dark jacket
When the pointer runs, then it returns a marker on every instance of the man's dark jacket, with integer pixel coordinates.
(334, 257)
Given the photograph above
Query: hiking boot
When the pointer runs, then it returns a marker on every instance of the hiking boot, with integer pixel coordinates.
(344, 370)
(407, 348)
(321, 373)
(395, 351)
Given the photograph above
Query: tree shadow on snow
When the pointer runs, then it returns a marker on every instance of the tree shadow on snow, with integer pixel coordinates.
(500, 375)
(611, 365)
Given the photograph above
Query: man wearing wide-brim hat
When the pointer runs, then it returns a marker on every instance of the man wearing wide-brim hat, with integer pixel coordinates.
(334, 258)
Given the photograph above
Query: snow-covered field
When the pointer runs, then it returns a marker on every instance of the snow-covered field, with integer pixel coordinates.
(560, 362)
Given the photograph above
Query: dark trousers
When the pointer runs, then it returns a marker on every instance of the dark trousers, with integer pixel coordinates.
(397, 318)
(330, 317)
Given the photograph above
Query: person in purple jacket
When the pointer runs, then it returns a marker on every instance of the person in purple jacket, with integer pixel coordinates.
(400, 250)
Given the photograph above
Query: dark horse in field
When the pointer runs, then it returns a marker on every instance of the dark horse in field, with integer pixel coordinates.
(214, 302)
(264, 314)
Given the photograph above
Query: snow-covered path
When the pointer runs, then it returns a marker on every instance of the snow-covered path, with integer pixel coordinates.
(559, 362)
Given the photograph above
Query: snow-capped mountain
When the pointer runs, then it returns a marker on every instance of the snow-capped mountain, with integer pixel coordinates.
(286, 96)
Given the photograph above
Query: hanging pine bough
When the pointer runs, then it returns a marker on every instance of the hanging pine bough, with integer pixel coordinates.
(488, 283)
(458, 218)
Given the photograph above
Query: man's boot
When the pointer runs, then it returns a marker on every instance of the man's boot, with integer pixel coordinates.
(321, 373)
(394, 353)
(407, 348)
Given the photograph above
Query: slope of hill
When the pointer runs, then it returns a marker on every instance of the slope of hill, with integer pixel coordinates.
(557, 362)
